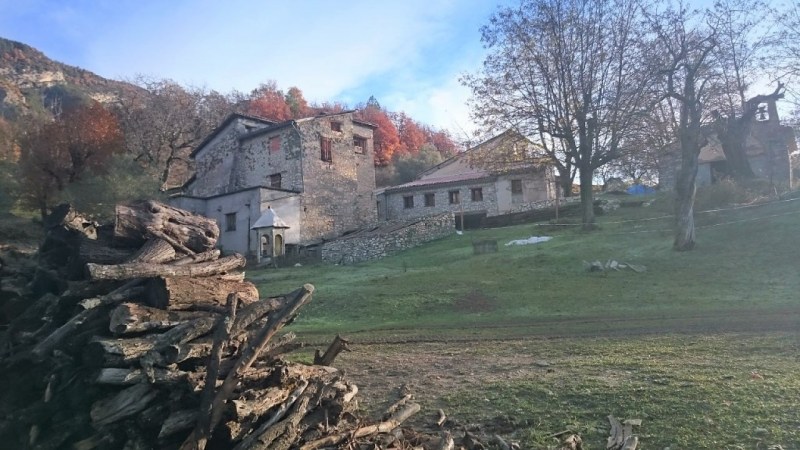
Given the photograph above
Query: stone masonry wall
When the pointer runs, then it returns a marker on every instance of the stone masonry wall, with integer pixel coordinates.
(337, 195)
(388, 239)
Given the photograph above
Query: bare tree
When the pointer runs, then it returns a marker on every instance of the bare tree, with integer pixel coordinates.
(687, 46)
(568, 74)
(742, 30)
(163, 121)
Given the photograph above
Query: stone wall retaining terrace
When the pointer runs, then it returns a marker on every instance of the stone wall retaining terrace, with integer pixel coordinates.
(387, 239)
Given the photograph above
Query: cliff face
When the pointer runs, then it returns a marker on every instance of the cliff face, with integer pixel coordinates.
(32, 83)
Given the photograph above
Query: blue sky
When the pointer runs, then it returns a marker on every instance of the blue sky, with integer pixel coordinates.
(409, 54)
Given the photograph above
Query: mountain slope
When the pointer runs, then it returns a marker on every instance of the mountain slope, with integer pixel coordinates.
(32, 83)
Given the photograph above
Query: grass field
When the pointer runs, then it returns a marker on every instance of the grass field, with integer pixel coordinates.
(703, 346)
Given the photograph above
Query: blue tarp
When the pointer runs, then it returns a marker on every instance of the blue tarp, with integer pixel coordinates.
(640, 189)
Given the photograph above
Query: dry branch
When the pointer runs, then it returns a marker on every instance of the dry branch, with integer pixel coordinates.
(382, 427)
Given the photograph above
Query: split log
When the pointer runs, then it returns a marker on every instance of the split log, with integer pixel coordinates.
(210, 293)
(46, 345)
(136, 318)
(189, 232)
(156, 251)
(111, 351)
(181, 352)
(382, 427)
(124, 404)
(337, 346)
(148, 270)
(128, 376)
(178, 421)
(100, 252)
(210, 255)
(60, 334)
(255, 403)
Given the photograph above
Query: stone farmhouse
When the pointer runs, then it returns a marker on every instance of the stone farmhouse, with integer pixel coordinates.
(768, 150)
(499, 176)
(310, 179)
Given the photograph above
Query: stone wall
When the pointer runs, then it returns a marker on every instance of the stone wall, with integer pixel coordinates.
(337, 195)
(396, 209)
(387, 239)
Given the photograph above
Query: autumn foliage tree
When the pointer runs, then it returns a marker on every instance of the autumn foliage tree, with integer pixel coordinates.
(386, 139)
(269, 102)
(56, 154)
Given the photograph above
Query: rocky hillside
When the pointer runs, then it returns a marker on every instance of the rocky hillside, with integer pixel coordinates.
(32, 83)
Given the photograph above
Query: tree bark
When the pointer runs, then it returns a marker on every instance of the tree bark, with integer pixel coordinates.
(189, 232)
(587, 199)
(148, 270)
(157, 251)
(124, 404)
(127, 376)
(337, 346)
(210, 293)
(135, 318)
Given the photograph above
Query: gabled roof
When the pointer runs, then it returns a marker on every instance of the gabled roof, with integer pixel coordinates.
(488, 144)
(231, 117)
(445, 180)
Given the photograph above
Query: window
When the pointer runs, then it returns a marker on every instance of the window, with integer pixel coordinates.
(275, 181)
(516, 186)
(477, 194)
(359, 144)
(274, 144)
(408, 201)
(230, 222)
(336, 126)
(454, 198)
(325, 149)
(430, 199)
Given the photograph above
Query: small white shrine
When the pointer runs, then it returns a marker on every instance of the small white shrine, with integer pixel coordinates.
(270, 230)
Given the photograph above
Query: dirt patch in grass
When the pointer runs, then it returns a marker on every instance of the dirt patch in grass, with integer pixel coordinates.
(474, 302)
(692, 391)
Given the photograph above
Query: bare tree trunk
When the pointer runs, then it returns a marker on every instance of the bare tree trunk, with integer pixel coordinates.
(587, 198)
(685, 189)
(692, 139)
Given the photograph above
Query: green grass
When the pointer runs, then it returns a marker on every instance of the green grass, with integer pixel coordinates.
(676, 346)
(748, 265)
(691, 392)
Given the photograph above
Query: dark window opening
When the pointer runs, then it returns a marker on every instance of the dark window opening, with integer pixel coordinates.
(430, 199)
(336, 126)
(454, 197)
(325, 149)
(516, 186)
(230, 222)
(477, 194)
(275, 181)
(274, 144)
(408, 201)
(359, 144)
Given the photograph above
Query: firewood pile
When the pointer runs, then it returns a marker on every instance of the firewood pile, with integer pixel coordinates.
(138, 335)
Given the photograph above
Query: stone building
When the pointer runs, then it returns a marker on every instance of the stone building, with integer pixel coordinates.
(499, 176)
(769, 147)
(315, 173)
